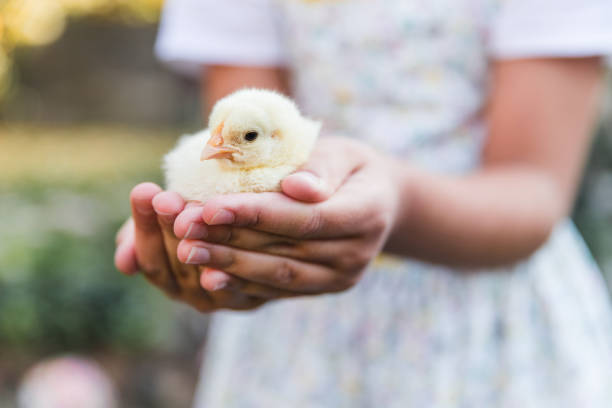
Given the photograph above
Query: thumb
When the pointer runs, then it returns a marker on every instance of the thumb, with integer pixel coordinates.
(332, 161)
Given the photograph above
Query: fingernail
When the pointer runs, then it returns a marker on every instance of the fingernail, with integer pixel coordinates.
(311, 179)
(221, 279)
(198, 255)
(219, 285)
(196, 231)
(222, 217)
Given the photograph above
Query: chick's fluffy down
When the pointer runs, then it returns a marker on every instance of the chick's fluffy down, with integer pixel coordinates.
(197, 181)
(285, 141)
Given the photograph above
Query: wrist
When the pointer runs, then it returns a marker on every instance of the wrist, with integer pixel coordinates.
(400, 178)
(404, 180)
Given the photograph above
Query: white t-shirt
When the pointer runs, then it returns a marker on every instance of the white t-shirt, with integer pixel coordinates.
(413, 71)
(247, 32)
(234, 32)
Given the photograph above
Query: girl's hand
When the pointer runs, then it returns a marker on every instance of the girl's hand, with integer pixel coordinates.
(322, 243)
(146, 242)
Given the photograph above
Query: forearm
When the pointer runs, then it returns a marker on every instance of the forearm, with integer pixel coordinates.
(540, 120)
(221, 80)
(492, 217)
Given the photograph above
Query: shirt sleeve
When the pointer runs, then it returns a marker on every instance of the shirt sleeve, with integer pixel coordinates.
(194, 33)
(552, 28)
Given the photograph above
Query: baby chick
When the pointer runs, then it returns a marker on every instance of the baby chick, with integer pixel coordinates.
(255, 138)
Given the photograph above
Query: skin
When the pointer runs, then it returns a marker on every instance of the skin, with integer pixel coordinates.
(341, 210)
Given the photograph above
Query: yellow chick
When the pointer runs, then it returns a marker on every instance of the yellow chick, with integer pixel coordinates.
(255, 138)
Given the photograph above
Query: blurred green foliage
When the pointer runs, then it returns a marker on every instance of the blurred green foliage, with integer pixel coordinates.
(593, 210)
(59, 289)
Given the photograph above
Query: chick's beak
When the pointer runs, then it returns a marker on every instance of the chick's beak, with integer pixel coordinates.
(212, 152)
(215, 149)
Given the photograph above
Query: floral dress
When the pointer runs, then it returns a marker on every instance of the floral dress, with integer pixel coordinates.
(409, 77)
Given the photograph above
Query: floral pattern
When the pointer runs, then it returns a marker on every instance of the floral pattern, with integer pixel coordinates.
(410, 78)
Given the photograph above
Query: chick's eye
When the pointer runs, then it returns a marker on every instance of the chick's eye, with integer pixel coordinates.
(250, 136)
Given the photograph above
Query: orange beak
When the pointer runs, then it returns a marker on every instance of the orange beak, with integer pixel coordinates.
(215, 149)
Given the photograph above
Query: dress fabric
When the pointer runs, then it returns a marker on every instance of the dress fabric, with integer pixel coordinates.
(410, 78)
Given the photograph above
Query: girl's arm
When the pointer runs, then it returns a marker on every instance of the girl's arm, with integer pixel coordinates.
(540, 122)
(220, 80)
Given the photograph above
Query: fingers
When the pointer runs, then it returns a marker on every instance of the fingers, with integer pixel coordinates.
(124, 230)
(149, 242)
(331, 162)
(225, 292)
(189, 223)
(270, 212)
(226, 300)
(213, 280)
(152, 243)
(125, 254)
(143, 213)
(167, 206)
(345, 254)
(278, 214)
(270, 270)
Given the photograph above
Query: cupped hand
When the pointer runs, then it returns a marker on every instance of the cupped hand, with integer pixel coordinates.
(146, 242)
(317, 237)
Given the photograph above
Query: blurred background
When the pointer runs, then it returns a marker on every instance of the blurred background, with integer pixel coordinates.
(85, 113)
